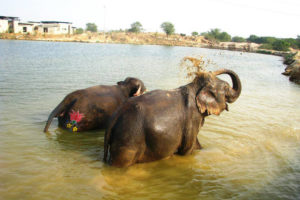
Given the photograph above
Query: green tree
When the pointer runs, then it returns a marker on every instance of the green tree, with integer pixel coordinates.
(136, 27)
(238, 39)
(195, 33)
(79, 31)
(224, 37)
(91, 27)
(168, 28)
(252, 38)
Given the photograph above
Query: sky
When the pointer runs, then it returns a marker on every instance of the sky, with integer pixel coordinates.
(279, 18)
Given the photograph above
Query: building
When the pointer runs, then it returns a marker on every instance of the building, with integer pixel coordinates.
(25, 27)
(9, 24)
(55, 27)
(13, 25)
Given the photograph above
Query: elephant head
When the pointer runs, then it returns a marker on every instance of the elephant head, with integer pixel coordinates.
(132, 86)
(213, 94)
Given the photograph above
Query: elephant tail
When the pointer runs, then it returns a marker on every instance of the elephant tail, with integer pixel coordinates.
(60, 108)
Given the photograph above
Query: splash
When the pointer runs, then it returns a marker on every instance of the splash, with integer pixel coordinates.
(195, 66)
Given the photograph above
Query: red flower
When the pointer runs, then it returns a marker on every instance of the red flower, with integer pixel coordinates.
(75, 116)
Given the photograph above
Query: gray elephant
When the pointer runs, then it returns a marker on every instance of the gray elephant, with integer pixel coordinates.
(161, 123)
(92, 107)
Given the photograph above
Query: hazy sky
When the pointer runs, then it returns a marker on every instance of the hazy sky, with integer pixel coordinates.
(278, 18)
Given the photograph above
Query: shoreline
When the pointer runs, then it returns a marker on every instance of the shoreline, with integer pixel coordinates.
(292, 70)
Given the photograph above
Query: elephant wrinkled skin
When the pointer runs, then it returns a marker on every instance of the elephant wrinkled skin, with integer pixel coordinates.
(161, 123)
(92, 107)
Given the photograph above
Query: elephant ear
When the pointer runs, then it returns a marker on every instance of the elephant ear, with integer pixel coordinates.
(207, 101)
(120, 83)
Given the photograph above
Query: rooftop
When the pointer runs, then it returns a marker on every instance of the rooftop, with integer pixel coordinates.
(24, 23)
(55, 22)
(9, 18)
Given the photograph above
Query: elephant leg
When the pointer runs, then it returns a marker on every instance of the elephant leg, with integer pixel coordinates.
(189, 141)
(198, 146)
(123, 157)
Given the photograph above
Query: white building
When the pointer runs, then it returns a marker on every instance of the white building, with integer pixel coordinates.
(9, 24)
(13, 25)
(25, 27)
(55, 27)
(3, 25)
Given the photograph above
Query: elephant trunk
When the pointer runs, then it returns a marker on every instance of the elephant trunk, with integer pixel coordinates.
(236, 89)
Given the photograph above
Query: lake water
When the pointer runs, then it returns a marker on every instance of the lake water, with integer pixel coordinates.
(250, 152)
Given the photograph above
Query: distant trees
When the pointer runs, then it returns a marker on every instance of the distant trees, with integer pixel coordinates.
(168, 28)
(79, 31)
(91, 27)
(238, 39)
(279, 44)
(136, 27)
(195, 33)
(261, 40)
(217, 35)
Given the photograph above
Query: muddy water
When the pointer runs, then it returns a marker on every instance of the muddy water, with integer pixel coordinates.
(250, 152)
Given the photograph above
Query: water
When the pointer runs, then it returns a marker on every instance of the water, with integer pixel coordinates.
(250, 152)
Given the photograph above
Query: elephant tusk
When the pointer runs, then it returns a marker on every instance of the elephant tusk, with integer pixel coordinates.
(138, 92)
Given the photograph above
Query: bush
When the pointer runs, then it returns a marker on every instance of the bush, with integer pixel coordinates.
(264, 52)
(10, 30)
(266, 46)
(195, 33)
(261, 40)
(289, 58)
(274, 43)
(281, 45)
(217, 35)
(79, 31)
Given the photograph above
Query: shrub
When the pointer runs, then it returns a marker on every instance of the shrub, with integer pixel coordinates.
(79, 31)
(264, 52)
(289, 58)
(281, 45)
(195, 33)
(266, 46)
(217, 35)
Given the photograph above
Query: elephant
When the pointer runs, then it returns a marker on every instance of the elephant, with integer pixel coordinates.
(91, 108)
(161, 123)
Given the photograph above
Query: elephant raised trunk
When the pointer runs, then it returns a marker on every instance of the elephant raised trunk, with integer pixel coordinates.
(235, 91)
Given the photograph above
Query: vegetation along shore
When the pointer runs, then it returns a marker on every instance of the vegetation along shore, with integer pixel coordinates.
(288, 48)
